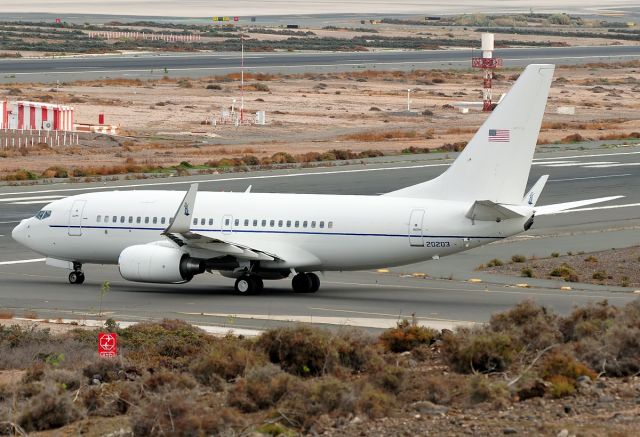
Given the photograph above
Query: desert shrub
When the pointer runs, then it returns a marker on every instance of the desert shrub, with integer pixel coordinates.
(526, 272)
(282, 158)
(262, 388)
(555, 255)
(591, 259)
(171, 342)
(185, 83)
(225, 358)
(529, 325)
(358, 350)
(560, 363)
(251, 160)
(389, 378)
(373, 402)
(561, 386)
(566, 272)
(600, 275)
(481, 388)
(55, 172)
(518, 258)
(591, 320)
(478, 350)
(103, 370)
(495, 263)
(65, 379)
(406, 336)
(167, 380)
(214, 87)
(180, 413)
(48, 409)
(259, 86)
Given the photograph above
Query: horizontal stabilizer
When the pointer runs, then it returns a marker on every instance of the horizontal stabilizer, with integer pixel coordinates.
(486, 210)
(560, 207)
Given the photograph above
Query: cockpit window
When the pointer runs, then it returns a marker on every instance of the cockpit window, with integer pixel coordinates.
(41, 215)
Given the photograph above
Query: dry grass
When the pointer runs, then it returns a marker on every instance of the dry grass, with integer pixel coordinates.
(6, 314)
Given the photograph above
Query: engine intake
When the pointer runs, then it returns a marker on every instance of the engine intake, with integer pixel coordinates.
(158, 264)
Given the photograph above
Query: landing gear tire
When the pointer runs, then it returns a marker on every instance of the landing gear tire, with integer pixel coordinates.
(305, 283)
(247, 285)
(76, 277)
(315, 282)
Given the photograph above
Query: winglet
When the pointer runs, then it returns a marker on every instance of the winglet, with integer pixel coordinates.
(248, 190)
(181, 222)
(531, 198)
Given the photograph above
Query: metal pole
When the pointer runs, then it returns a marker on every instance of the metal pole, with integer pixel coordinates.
(409, 100)
(242, 78)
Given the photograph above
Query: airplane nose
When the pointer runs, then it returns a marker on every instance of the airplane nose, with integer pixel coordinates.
(19, 232)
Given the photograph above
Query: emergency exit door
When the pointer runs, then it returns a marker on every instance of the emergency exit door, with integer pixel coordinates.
(415, 227)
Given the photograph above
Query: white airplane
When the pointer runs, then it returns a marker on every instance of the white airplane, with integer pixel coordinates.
(169, 236)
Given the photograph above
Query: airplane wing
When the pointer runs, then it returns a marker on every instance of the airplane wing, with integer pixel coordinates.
(566, 207)
(179, 231)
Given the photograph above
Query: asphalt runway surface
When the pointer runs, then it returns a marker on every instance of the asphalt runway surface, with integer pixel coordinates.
(148, 66)
(370, 299)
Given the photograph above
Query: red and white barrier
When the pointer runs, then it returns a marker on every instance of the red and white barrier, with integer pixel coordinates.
(36, 115)
(4, 115)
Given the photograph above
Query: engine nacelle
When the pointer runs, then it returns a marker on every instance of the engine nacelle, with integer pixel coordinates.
(158, 264)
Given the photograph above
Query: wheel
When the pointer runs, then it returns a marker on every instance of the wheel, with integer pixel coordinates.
(76, 277)
(301, 283)
(315, 282)
(248, 285)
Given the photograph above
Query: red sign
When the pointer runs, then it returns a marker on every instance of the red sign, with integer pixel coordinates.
(236, 18)
(107, 344)
(58, 20)
(486, 62)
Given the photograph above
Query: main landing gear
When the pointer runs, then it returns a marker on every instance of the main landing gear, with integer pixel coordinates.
(305, 283)
(249, 284)
(76, 276)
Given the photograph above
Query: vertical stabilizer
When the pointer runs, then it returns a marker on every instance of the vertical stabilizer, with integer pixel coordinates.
(495, 164)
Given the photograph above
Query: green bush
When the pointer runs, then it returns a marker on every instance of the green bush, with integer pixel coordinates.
(495, 263)
(529, 325)
(262, 388)
(526, 272)
(478, 350)
(518, 258)
(566, 272)
(225, 358)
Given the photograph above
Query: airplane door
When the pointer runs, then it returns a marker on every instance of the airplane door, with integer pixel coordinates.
(227, 224)
(415, 227)
(75, 217)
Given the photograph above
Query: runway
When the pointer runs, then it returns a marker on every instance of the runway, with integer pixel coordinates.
(149, 66)
(372, 299)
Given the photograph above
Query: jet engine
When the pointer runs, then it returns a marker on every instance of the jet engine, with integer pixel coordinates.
(158, 264)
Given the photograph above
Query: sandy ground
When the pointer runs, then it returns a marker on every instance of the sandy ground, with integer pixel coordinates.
(162, 122)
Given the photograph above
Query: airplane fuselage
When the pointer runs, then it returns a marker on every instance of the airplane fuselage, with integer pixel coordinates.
(319, 232)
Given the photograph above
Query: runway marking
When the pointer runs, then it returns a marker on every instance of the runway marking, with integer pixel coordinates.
(576, 164)
(596, 208)
(33, 202)
(613, 164)
(16, 199)
(550, 162)
(22, 261)
(396, 316)
(9, 222)
(588, 156)
(591, 177)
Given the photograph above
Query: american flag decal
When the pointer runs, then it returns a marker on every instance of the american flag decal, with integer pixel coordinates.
(499, 135)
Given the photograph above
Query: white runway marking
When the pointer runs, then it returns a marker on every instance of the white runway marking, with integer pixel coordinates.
(550, 162)
(587, 156)
(22, 261)
(33, 202)
(13, 221)
(576, 164)
(596, 208)
(15, 199)
(591, 177)
(613, 164)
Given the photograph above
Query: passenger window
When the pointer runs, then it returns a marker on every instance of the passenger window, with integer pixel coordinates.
(146, 219)
(279, 223)
(330, 225)
(121, 219)
(227, 221)
(321, 224)
(288, 223)
(210, 222)
(195, 221)
(255, 223)
(138, 219)
(246, 222)
(155, 220)
(304, 224)
(313, 224)
(98, 219)
(106, 219)
(297, 224)
(162, 220)
(272, 223)
(130, 219)
(236, 222)
(203, 222)
(264, 223)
